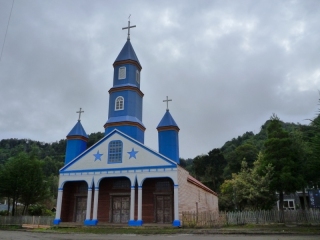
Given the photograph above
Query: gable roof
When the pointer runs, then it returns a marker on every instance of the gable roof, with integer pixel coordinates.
(146, 157)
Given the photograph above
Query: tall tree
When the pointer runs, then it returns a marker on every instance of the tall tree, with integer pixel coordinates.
(281, 154)
(209, 168)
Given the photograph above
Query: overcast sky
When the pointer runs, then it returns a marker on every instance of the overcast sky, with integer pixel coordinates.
(227, 65)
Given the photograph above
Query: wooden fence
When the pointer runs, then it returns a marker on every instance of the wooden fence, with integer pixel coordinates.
(32, 220)
(216, 219)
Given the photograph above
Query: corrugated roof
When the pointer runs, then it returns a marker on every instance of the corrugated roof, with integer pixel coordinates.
(127, 53)
(78, 130)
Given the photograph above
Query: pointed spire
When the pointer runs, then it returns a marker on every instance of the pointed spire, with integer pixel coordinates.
(127, 53)
(78, 130)
(168, 121)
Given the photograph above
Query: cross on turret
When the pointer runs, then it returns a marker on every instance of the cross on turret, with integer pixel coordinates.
(168, 100)
(129, 28)
(79, 113)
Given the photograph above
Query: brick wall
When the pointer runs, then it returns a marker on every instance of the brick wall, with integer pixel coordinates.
(192, 197)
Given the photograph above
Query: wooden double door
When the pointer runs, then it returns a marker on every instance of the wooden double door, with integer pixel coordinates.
(120, 209)
(163, 208)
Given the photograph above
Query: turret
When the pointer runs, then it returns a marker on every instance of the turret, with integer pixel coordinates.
(168, 136)
(76, 141)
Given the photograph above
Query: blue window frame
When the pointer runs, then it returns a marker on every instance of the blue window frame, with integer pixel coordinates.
(115, 152)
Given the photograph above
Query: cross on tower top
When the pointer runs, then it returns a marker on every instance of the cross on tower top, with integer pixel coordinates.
(79, 113)
(129, 28)
(168, 100)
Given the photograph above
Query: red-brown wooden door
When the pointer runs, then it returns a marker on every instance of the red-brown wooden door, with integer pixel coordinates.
(163, 208)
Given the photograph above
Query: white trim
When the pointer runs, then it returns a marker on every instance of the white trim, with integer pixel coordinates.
(139, 203)
(132, 197)
(59, 203)
(89, 198)
(176, 202)
(288, 200)
(95, 204)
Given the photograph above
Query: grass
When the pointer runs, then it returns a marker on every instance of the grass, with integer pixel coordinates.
(231, 229)
(10, 227)
(250, 228)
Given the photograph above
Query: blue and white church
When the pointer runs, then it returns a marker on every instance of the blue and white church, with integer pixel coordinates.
(120, 179)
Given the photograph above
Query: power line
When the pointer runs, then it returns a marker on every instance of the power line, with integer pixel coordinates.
(5, 36)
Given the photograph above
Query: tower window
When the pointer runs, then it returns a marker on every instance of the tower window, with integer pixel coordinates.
(122, 73)
(115, 152)
(119, 104)
(138, 76)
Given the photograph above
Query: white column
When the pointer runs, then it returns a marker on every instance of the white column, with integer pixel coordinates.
(139, 203)
(95, 203)
(59, 203)
(89, 197)
(132, 203)
(176, 202)
(57, 220)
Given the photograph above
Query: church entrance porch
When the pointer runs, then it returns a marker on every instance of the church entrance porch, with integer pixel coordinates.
(120, 209)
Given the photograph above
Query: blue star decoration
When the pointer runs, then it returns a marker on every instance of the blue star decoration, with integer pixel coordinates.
(97, 156)
(132, 153)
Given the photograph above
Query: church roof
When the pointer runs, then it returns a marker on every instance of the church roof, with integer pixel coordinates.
(78, 130)
(167, 120)
(127, 53)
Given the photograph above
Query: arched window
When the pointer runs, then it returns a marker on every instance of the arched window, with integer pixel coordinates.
(115, 152)
(119, 104)
(138, 76)
(122, 73)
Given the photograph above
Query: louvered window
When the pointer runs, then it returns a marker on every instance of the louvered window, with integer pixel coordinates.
(138, 76)
(122, 73)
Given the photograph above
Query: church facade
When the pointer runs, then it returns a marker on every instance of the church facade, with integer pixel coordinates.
(120, 179)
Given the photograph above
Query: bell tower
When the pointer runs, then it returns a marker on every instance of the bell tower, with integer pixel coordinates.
(125, 97)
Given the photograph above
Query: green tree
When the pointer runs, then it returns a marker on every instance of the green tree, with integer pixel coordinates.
(248, 189)
(209, 168)
(281, 154)
(245, 152)
(314, 160)
(22, 179)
